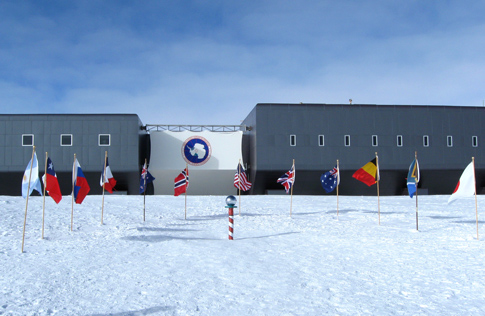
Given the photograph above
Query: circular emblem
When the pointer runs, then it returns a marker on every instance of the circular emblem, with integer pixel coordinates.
(196, 151)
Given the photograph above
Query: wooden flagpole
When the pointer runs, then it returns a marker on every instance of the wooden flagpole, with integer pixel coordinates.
(475, 187)
(103, 180)
(294, 176)
(145, 186)
(378, 178)
(28, 194)
(338, 180)
(73, 184)
(239, 186)
(416, 181)
(186, 169)
(43, 202)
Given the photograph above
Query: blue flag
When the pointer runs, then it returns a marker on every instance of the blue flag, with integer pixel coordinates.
(146, 178)
(413, 177)
(330, 179)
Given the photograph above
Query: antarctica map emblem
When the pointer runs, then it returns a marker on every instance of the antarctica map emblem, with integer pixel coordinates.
(196, 151)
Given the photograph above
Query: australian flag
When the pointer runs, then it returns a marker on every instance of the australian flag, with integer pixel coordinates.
(330, 179)
(145, 178)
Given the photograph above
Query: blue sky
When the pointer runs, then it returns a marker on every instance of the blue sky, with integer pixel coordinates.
(211, 62)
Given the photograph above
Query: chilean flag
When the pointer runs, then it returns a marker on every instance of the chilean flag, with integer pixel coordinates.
(50, 182)
(109, 180)
(81, 186)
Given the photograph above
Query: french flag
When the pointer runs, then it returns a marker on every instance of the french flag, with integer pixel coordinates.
(109, 181)
(81, 186)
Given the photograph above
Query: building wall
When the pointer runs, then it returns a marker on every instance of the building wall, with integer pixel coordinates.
(272, 155)
(124, 150)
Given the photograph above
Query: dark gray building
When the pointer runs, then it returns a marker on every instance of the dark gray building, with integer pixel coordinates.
(316, 135)
(62, 135)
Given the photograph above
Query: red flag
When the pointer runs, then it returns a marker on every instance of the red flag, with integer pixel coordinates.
(81, 186)
(50, 182)
(181, 182)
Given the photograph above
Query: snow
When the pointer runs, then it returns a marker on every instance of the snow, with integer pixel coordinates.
(312, 263)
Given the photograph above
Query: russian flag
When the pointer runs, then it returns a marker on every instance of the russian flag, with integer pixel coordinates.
(81, 186)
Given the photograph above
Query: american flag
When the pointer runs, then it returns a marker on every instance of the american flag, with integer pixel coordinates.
(240, 179)
(288, 179)
(181, 182)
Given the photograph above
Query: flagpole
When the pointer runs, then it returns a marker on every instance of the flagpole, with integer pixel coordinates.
(186, 168)
(338, 180)
(239, 187)
(103, 180)
(378, 178)
(28, 194)
(294, 177)
(145, 189)
(475, 187)
(73, 184)
(416, 181)
(43, 202)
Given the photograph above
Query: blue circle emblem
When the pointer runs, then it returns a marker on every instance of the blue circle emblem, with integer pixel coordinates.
(196, 151)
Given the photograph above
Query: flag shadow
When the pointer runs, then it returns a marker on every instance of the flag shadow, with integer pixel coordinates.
(146, 311)
(469, 222)
(443, 217)
(344, 211)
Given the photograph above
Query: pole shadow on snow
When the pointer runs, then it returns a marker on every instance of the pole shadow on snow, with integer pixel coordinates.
(344, 211)
(469, 222)
(443, 217)
(161, 238)
(159, 229)
(266, 236)
(147, 311)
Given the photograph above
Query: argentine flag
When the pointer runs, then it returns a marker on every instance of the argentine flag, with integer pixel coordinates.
(34, 178)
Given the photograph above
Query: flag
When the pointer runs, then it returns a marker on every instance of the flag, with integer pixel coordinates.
(288, 179)
(51, 184)
(330, 179)
(369, 173)
(181, 182)
(148, 176)
(240, 180)
(466, 184)
(413, 177)
(81, 186)
(109, 181)
(34, 178)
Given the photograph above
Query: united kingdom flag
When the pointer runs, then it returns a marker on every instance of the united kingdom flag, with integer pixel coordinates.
(288, 179)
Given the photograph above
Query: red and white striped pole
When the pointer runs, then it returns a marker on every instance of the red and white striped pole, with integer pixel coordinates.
(231, 204)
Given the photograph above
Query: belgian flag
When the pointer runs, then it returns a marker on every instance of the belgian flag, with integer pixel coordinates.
(369, 173)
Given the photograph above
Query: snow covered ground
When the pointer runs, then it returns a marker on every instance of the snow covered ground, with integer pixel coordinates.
(312, 263)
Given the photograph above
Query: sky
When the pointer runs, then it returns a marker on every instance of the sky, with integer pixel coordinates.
(211, 62)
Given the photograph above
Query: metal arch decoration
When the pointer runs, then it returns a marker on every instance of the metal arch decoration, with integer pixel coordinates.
(196, 150)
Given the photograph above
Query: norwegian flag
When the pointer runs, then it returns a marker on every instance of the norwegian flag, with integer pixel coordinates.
(288, 179)
(181, 182)
(240, 179)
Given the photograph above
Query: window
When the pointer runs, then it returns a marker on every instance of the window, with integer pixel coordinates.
(347, 140)
(449, 141)
(27, 139)
(292, 140)
(474, 141)
(425, 141)
(399, 140)
(66, 139)
(104, 140)
(374, 140)
(321, 140)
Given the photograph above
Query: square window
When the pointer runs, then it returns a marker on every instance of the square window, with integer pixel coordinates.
(104, 140)
(27, 139)
(66, 139)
